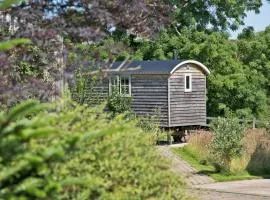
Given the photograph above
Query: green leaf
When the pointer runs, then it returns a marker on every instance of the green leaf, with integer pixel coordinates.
(7, 45)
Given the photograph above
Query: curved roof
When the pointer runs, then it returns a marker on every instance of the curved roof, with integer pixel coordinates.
(153, 67)
(202, 66)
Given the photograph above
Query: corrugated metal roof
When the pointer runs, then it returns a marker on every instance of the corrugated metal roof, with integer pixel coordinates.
(145, 67)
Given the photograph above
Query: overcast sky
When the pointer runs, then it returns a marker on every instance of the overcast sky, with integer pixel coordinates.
(258, 21)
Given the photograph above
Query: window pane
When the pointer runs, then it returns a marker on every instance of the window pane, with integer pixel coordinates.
(127, 81)
(125, 85)
(114, 85)
(114, 81)
(123, 81)
(187, 82)
(124, 90)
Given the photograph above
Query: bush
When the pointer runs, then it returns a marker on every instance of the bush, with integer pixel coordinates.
(115, 163)
(227, 143)
(26, 171)
(118, 104)
(83, 154)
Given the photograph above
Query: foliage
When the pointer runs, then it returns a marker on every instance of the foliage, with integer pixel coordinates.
(257, 151)
(5, 4)
(6, 45)
(213, 15)
(26, 172)
(238, 82)
(46, 24)
(198, 146)
(80, 21)
(26, 70)
(116, 165)
(253, 163)
(149, 123)
(227, 143)
(118, 103)
(68, 151)
(232, 85)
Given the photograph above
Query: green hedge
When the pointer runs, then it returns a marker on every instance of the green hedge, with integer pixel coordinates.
(68, 151)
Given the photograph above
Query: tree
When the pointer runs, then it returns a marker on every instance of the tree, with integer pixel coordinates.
(34, 70)
(231, 85)
(213, 15)
(9, 44)
(89, 20)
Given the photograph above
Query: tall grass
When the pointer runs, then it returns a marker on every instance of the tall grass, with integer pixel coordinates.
(198, 145)
(258, 152)
(255, 158)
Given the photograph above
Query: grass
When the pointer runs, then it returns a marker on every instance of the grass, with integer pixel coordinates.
(209, 170)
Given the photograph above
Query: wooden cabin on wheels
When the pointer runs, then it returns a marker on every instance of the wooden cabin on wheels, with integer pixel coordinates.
(177, 88)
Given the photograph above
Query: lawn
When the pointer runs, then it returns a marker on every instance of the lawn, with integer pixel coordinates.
(208, 169)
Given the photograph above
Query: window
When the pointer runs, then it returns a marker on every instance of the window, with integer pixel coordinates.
(114, 85)
(121, 85)
(125, 86)
(188, 83)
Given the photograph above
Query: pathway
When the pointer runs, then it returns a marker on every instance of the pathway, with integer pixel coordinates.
(182, 167)
(205, 188)
(258, 189)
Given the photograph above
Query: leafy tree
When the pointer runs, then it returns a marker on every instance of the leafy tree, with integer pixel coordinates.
(37, 70)
(231, 84)
(216, 15)
(9, 44)
(25, 72)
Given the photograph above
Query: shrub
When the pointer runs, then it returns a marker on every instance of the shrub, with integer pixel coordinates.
(114, 164)
(83, 154)
(26, 172)
(227, 143)
(118, 104)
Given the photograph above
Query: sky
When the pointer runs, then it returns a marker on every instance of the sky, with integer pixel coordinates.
(258, 21)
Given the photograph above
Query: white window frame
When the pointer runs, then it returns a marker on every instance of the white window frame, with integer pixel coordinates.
(129, 85)
(119, 85)
(190, 83)
(110, 83)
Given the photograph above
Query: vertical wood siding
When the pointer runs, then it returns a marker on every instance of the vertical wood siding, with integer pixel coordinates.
(150, 96)
(187, 108)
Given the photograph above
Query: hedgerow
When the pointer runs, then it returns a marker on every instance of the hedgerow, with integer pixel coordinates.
(70, 151)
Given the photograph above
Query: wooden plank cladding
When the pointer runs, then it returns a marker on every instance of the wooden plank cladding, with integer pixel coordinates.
(150, 96)
(187, 108)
